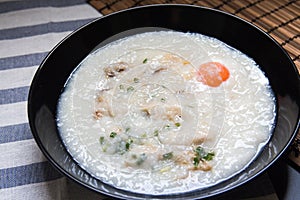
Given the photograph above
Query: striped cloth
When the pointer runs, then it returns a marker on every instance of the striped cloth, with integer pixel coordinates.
(29, 29)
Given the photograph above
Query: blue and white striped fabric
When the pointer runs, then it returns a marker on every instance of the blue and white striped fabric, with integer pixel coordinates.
(29, 29)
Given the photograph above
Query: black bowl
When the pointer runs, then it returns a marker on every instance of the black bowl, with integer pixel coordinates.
(61, 61)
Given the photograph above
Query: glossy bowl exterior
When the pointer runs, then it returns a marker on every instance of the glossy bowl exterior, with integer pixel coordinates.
(61, 61)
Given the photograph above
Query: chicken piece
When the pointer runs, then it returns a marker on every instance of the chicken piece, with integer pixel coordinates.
(120, 67)
(182, 160)
(114, 69)
(109, 72)
(99, 99)
(102, 108)
(171, 112)
(203, 166)
(98, 114)
(159, 70)
(175, 59)
(186, 158)
(197, 140)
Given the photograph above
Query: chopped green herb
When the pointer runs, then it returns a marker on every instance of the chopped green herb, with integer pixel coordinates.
(136, 80)
(144, 135)
(167, 126)
(128, 143)
(196, 161)
(113, 134)
(168, 156)
(141, 159)
(209, 156)
(199, 151)
(165, 169)
(201, 155)
(121, 87)
(156, 133)
(127, 129)
(101, 140)
(154, 95)
(177, 124)
(163, 100)
(127, 146)
(104, 149)
(130, 89)
(145, 60)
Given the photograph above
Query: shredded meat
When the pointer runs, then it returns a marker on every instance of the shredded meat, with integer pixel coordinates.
(198, 140)
(159, 70)
(186, 158)
(102, 108)
(120, 67)
(203, 165)
(114, 69)
(174, 58)
(182, 160)
(146, 112)
(99, 99)
(109, 72)
(172, 112)
(98, 114)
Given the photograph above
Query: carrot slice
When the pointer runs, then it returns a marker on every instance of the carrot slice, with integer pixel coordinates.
(212, 74)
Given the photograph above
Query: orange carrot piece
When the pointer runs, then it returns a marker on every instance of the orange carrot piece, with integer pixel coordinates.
(212, 74)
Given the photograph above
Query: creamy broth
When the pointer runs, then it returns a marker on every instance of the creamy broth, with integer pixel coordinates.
(165, 112)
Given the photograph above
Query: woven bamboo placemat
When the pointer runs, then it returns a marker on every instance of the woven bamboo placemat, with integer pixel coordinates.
(279, 18)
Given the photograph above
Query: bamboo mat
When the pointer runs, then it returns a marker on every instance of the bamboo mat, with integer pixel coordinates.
(279, 18)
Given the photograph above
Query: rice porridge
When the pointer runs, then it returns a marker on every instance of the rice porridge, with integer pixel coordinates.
(165, 112)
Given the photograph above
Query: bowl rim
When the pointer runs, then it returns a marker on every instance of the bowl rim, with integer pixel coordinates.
(133, 9)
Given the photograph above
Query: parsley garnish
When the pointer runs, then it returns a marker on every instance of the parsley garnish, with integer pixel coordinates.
(201, 155)
(177, 124)
(101, 140)
(136, 80)
(141, 159)
(128, 143)
(130, 89)
(196, 161)
(163, 100)
(209, 156)
(168, 156)
(121, 87)
(144, 135)
(145, 60)
(113, 134)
